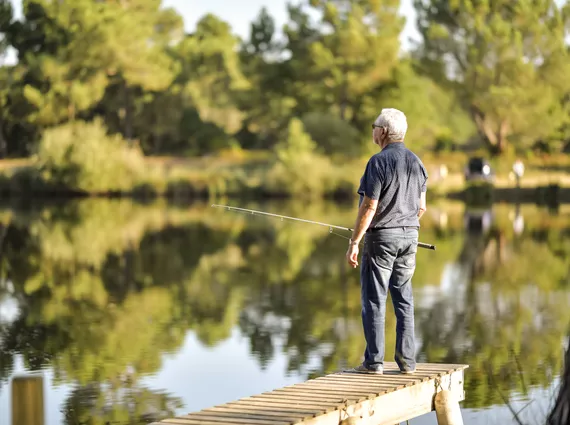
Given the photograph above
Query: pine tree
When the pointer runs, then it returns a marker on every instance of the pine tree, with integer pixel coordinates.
(355, 53)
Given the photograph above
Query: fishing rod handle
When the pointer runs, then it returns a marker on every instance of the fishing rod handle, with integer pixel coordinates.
(426, 245)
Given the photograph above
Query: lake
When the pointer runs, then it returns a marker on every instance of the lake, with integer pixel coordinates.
(117, 312)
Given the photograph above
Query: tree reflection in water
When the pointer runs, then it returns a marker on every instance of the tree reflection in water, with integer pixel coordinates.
(105, 288)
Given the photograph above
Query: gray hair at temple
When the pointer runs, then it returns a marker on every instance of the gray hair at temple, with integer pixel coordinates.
(395, 122)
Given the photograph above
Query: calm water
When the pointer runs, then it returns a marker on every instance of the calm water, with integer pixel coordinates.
(113, 312)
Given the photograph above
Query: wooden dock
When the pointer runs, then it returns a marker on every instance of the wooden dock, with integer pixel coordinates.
(346, 398)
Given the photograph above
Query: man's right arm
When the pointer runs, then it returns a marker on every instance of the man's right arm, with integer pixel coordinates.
(423, 206)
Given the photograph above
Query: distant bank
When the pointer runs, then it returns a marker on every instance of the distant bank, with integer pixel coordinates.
(254, 175)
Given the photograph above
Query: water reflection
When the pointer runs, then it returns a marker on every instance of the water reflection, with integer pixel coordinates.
(97, 292)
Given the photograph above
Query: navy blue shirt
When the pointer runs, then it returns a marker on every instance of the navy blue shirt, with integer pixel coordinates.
(396, 178)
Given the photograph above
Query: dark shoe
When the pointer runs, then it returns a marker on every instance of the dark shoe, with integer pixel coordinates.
(408, 371)
(362, 368)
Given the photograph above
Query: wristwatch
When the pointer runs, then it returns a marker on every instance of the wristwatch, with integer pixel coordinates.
(351, 242)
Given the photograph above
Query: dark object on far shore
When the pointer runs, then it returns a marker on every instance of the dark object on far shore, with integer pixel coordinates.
(479, 169)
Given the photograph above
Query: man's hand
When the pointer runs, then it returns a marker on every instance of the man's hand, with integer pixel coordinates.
(352, 255)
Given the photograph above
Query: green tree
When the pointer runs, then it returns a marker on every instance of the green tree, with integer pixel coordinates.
(433, 111)
(331, 134)
(5, 85)
(17, 130)
(506, 60)
(210, 73)
(72, 76)
(6, 15)
(158, 122)
(199, 110)
(72, 51)
(354, 55)
(81, 156)
(136, 35)
(61, 76)
(268, 103)
(262, 33)
(299, 170)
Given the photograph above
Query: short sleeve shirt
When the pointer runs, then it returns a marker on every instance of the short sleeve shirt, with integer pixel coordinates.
(395, 177)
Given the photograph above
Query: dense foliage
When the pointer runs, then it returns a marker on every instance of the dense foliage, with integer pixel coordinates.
(491, 68)
(506, 61)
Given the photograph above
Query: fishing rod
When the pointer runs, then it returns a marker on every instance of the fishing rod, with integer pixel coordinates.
(330, 226)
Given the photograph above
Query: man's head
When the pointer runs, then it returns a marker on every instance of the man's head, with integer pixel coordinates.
(390, 126)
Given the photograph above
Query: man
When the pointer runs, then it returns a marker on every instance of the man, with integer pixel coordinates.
(392, 200)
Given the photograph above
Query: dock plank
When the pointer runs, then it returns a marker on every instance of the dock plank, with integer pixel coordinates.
(261, 405)
(236, 419)
(327, 391)
(385, 399)
(293, 410)
(247, 415)
(264, 413)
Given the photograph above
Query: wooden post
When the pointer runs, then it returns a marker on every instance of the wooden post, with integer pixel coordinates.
(447, 409)
(28, 400)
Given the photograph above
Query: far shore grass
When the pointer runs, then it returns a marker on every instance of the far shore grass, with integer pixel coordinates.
(539, 170)
(243, 173)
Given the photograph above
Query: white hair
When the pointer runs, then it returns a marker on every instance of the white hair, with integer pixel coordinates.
(395, 122)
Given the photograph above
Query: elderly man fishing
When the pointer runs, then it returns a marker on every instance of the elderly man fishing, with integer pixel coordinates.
(392, 200)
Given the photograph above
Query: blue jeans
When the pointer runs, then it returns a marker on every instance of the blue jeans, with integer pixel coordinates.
(388, 262)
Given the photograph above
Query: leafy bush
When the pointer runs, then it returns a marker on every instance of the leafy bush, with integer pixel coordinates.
(298, 169)
(331, 134)
(444, 142)
(82, 156)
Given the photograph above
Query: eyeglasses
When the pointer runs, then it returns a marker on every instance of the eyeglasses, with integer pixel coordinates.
(376, 126)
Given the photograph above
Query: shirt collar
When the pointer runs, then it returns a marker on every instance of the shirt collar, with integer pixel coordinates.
(394, 145)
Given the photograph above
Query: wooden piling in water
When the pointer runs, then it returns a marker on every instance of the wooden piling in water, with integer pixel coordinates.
(28, 399)
(447, 409)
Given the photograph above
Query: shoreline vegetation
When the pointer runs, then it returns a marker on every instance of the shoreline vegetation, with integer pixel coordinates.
(95, 110)
(108, 166)
(249, 175)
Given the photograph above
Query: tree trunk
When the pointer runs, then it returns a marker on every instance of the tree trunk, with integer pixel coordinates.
(3, 232)
(71, 112)
(502, 137)
(128, 129)
(496, 140)
(128, 270)
(156, 138)
(343, 100)
(343, 110)
(356, 114)
(70, 105)
(157, 143)
(3, 144)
